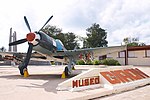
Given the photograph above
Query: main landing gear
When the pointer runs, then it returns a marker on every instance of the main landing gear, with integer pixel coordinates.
(68, 69)
(23, 71)
(65, 73)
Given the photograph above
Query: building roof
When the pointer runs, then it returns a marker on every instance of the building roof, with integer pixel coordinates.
(135, 48)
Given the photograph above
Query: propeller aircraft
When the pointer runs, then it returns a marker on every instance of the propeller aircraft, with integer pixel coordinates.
(48, 47)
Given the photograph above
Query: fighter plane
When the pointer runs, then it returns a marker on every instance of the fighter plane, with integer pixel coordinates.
(46, 47)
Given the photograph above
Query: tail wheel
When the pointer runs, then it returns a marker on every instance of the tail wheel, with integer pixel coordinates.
(66, 71)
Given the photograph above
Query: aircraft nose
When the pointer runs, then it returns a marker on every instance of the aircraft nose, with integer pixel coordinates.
(30, 36)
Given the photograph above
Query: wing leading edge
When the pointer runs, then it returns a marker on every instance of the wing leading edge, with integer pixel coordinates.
(99, 51)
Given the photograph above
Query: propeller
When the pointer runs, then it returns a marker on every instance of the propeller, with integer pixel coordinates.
(27, 37)
(26, 21)
(30, 38)
(17, 42)
(46, 22)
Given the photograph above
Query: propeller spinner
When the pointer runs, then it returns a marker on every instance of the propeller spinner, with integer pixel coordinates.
(32, 39)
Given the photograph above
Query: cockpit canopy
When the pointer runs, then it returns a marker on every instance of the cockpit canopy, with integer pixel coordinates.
(59, 45)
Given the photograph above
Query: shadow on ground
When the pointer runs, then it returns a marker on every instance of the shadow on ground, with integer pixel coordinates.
(52, 81)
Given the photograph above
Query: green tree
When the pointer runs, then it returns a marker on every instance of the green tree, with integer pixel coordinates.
(133, 41)
(96, 37)
(52, 30)
(68, 39)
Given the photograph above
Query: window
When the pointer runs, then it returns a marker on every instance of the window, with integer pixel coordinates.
(121, 54)
(147, 53)
(131, 54)
(109, 56)
(102, 57)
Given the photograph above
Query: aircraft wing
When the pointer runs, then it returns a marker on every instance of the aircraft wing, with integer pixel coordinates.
(96, 52)
(20, 56)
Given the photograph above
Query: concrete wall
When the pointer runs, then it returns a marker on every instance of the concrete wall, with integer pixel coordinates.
(139, 58)
(115, 56)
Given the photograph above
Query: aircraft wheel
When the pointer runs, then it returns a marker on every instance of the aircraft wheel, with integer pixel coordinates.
(66, 71)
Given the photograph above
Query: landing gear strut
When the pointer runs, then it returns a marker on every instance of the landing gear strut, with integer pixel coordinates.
(66, 71)
(23, 71)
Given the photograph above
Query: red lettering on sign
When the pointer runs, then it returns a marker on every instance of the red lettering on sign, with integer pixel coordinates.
(126, 75)
(85, 82)
(132, 74)
(137, 74)
(97, 81)
(114, 77)
(117, 75)
(92, 81)
(129, 74)
(81, 83)
(110, 77)
(123, 76)
(141, 73)
(75, 83)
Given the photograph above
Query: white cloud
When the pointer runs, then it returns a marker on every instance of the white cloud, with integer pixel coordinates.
(126, 18)
(120, 18)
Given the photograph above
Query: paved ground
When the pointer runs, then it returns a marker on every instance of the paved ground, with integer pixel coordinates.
(142, 93)
(42, 83)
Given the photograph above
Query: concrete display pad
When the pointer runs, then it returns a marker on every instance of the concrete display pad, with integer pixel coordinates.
(43, 81)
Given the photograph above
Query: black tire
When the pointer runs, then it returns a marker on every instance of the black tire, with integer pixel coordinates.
(21, 70)
(66, 71)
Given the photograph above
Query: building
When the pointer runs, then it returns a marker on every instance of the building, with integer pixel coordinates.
(134, 55)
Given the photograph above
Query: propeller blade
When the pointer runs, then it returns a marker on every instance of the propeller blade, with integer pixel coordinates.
(17, 42)
(28, 56)
(27, 23)
(47, 22)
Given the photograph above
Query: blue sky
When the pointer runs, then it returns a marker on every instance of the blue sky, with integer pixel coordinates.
(120, 18)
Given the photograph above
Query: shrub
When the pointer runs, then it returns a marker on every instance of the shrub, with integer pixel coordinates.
(111, 62)
(80, 62)
(89, 62)
(96, 62)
